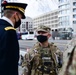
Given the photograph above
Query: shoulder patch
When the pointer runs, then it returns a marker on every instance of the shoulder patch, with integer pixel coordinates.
(9, 28)
(36, 46)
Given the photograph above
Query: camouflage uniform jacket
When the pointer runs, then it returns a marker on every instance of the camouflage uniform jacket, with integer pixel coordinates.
(71, 63)
(33, 56)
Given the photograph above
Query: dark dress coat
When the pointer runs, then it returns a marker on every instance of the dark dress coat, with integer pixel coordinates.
(9, 49)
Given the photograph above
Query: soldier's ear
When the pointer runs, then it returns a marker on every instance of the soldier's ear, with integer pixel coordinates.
(14, 14)
(49, 35)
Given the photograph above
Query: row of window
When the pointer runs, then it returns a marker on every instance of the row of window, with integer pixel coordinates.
(55, 25)
(64, 6)
(61, 1)
(64, 23)
(25, 22)
(47, 19)
(64, 18)
(44, 19)
(52, 25)
(66, 11)
(47, 22)
(24, 26)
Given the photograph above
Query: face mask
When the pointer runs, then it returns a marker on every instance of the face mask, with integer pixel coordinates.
(42, 38)
(17, 24)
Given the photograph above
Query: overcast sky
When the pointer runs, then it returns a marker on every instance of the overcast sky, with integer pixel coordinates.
(38, 7)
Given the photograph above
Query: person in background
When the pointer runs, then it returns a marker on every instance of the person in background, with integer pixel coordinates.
(70, 68)
(53, 34)
(42, 59)
(9, 47)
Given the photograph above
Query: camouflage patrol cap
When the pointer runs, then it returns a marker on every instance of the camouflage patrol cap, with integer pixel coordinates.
(43, 28)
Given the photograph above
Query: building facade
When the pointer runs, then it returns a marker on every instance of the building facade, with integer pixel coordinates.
(26, 25)
(50, 19)
(67, 15)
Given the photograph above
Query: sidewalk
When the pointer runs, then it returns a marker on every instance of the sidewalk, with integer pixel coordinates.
(20, 70)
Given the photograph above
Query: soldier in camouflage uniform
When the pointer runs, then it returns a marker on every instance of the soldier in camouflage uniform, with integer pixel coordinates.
(44, 58)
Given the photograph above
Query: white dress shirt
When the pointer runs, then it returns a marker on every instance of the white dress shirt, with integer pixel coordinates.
(8, 20)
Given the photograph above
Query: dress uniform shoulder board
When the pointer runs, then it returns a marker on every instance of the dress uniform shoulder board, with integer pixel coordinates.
(9, 28)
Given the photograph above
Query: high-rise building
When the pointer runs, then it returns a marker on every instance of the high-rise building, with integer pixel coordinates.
(67, 15)
(50, 19)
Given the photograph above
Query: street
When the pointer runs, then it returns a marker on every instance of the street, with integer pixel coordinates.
(24, 44)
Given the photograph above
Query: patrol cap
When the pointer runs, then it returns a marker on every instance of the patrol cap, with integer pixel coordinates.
(20, 7)
(43, 28)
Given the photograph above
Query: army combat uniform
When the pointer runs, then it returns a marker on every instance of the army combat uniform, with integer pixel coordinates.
(42, 60)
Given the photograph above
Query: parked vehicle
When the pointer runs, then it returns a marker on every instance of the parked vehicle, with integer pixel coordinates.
(65, 35)
(28, 35)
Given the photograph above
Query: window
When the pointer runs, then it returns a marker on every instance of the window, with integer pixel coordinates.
(66, 17)
(64, 12)
(74, 22)
(74, 3)
(74, 10)
(67, 0)
(74, 16)
(60, 1)
(64, 6)
(23, 25)
(67, 11)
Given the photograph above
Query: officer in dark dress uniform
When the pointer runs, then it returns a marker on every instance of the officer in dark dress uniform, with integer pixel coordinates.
(9, 47)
